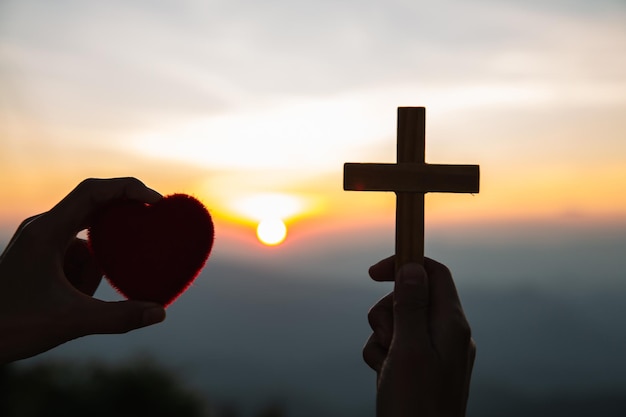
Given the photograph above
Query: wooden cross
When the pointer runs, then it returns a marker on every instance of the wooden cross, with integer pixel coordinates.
(410, 179)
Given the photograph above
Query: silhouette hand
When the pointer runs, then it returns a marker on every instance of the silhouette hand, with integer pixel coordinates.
(421, 347)
(47, 276)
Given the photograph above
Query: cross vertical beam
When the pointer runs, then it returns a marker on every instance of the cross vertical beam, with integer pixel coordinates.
(411, 149)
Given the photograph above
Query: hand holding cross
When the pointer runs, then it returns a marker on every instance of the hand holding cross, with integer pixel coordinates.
(410, 179)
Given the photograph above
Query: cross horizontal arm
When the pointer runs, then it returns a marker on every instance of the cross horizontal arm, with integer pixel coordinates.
(421, 178)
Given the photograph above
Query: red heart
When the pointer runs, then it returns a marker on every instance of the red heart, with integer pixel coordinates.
(152, 252)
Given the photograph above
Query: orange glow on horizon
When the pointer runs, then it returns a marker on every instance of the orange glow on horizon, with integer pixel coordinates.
(36, 175)
(323, 207)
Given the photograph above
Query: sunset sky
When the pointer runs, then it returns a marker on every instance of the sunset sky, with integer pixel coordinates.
(255, 106)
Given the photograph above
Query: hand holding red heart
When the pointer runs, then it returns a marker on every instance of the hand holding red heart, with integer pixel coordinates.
(151, 248)
(48, 276)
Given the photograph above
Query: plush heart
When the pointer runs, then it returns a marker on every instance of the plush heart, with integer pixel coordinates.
(152, 252)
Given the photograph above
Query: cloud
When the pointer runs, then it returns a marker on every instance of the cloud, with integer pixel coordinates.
(111, 63)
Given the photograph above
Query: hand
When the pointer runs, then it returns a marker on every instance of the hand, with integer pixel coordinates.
(48, 277)
(421, 347)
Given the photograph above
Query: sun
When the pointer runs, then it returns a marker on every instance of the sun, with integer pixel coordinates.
(271, 231)
(269, 211)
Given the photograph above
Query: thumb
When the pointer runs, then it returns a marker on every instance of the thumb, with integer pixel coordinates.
(120, 316)
(410, 305)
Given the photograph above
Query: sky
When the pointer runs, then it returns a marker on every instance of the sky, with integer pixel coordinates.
(255, 106)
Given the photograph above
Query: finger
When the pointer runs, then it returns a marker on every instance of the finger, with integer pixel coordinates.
(380, 318)
(445, 305)
(450, 331)
(410, 306)
(114, 317)
(71, 214)
(468, 374)
(80, 267)
(384, 270)
(22, 225)
(471, 358)
(374, 354)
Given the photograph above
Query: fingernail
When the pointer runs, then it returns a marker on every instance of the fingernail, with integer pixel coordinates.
(153, 315)
(154, 196)
(412, 274)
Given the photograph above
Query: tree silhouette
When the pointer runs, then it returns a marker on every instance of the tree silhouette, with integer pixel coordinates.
(135, 388)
